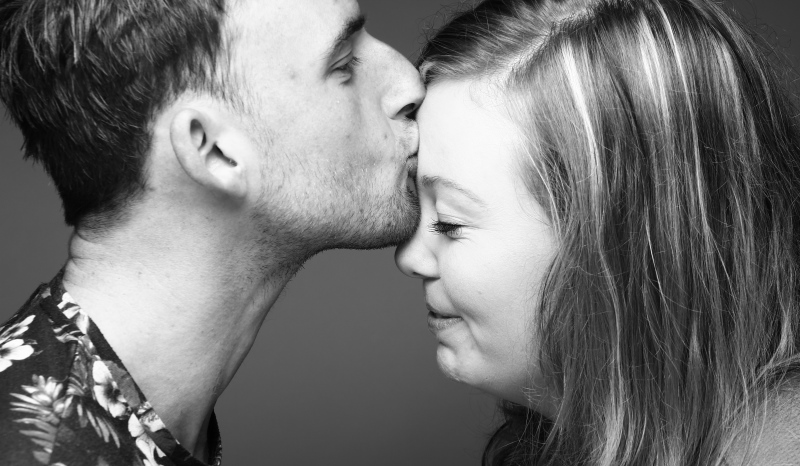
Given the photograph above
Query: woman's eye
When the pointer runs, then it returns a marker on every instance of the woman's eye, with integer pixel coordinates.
(448, 229)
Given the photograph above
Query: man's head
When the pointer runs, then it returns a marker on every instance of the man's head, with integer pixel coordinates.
(82, 80)
(332, 104)
(307, 112)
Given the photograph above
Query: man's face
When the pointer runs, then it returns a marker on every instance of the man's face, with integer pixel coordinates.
(330, 109)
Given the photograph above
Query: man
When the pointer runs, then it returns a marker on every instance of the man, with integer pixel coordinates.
(203, 150)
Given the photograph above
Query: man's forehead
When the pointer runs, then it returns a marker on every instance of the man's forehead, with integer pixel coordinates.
(315, 20)
(278, 42)
(273, 39)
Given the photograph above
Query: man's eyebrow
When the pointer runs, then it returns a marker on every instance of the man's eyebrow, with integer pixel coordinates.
(352, 26)
(431, 181)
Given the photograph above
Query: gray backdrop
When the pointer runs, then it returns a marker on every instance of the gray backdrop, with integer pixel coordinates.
(344, 370)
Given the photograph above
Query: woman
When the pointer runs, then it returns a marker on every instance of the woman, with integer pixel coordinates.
(609, 231)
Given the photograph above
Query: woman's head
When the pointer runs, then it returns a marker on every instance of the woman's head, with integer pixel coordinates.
(662, 156)
(483, 243)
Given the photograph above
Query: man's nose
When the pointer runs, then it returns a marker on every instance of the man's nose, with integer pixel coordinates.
(404, 91)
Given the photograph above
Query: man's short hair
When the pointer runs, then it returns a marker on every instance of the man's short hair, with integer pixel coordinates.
(83, 78)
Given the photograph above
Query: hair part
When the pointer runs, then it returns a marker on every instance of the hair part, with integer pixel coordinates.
(83, 80)
(664, 149)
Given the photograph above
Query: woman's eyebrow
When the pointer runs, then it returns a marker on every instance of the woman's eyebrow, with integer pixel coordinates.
(431, 181)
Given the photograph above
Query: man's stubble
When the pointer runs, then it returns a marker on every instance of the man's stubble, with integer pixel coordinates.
(305, 210)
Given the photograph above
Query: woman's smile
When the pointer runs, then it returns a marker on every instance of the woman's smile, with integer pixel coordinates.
(439, 322)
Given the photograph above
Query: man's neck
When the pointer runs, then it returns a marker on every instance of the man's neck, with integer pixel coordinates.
(181, 317)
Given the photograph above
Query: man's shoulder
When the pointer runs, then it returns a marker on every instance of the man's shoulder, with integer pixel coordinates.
(32, 364)
(29, 346)
(49, 409)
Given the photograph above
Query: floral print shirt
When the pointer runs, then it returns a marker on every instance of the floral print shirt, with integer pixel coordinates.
(67, 400)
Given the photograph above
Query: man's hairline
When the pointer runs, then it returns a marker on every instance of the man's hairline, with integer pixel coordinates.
(222, 75)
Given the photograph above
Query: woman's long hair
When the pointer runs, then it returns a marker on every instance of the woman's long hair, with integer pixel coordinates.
(666, 154)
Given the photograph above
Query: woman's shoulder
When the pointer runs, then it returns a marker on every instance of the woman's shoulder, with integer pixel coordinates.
(774, 435)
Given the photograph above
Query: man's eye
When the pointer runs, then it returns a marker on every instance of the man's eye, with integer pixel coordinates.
(447, 229)
(349, 66)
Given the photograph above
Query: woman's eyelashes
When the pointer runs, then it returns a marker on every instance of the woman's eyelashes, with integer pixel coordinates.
(450, 229)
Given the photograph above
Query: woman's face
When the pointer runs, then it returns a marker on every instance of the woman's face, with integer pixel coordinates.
(482, 246)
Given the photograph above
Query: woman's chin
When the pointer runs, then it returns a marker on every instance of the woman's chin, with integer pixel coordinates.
(449, 364)
(457, 366)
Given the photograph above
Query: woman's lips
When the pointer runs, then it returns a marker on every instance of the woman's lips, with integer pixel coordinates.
(438, 322)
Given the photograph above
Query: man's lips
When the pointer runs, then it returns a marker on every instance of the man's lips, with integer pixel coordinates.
(411, 178)
(412, 163)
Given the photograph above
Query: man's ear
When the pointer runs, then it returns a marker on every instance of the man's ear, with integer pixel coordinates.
(197, 140)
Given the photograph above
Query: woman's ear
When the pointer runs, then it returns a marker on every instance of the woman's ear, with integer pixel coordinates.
(197, 140)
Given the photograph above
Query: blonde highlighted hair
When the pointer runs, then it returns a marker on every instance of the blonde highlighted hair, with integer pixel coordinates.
(667, 155)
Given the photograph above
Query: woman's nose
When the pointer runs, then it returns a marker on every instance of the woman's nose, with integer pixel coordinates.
(415, 259)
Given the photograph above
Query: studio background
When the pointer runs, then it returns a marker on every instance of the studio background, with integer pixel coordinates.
(343, 371)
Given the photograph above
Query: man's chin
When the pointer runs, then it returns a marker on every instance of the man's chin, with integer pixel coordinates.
(385, 226)
(407, 220)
